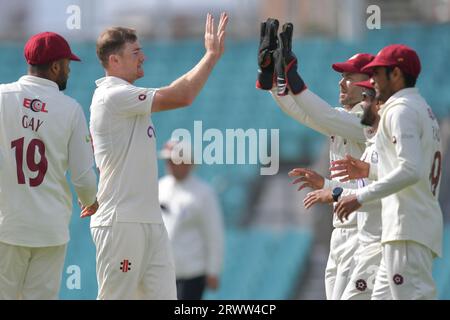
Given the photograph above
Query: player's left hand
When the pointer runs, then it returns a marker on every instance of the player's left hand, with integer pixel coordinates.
(349, 168)
(317, 196)
(215, 42)
(345, 206)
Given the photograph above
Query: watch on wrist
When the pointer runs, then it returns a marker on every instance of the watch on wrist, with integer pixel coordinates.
(336, 193)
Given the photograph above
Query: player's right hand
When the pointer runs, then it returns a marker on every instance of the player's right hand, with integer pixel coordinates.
(268, 43)
(308, 178)
(89, 211)
(350, 169)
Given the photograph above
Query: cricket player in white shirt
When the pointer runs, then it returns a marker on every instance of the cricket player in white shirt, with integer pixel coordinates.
(134, 258)
(342, 125)
(409, 171)
(368, 255)
(43, 133)
(192, 216)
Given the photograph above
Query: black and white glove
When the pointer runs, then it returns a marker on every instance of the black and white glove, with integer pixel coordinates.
(286, 64)
(268, 43)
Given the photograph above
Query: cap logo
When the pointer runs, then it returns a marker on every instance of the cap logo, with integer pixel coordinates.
(400, 59)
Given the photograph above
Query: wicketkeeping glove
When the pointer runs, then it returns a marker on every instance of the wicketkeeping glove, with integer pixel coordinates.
(286, 64)
(267, 45)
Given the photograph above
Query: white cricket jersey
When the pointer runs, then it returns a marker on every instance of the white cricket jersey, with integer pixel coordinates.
(125, 153)
(43, 133)
(409, 171)
(343, 127)
(369, 215)
(192, 215)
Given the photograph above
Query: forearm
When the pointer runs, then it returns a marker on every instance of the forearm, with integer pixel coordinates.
(184, 90)
(402, 177)
(290, 107)
(86, 187)
(335, 122)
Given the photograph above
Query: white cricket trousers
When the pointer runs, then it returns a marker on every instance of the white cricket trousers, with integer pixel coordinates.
(134, 261)
(362, 280)
(405, 272)
(343, 244)
(30, 273)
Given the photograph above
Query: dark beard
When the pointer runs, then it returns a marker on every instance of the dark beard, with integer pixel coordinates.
(62, 79)
(368, 119)
(62, 85)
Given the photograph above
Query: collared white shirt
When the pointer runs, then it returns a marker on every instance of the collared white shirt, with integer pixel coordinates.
(409, 171)
(124, 140)
(43, 133)
(194, 223)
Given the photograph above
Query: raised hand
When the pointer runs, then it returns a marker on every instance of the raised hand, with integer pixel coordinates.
(286, 64)
(349, 168)
(308, 178)
(215, 42)
(268, 43)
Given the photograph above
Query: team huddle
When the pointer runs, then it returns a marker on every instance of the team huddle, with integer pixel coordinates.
(387, 220)
(385, 158)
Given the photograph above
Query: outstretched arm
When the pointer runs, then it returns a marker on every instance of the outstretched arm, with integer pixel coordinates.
(336, 122)
(292, 109)
(185, 89)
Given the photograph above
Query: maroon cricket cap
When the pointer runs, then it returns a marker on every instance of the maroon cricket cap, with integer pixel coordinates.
(397, 55)
(46, 47)
(355, 64)
(365, 84)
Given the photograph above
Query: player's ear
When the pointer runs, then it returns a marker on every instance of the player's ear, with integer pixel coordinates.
(397, 74)
(113, 59)
(55, 67)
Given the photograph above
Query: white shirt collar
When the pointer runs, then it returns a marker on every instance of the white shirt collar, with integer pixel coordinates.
(38, 81)
(401, 93)
(110, 80)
